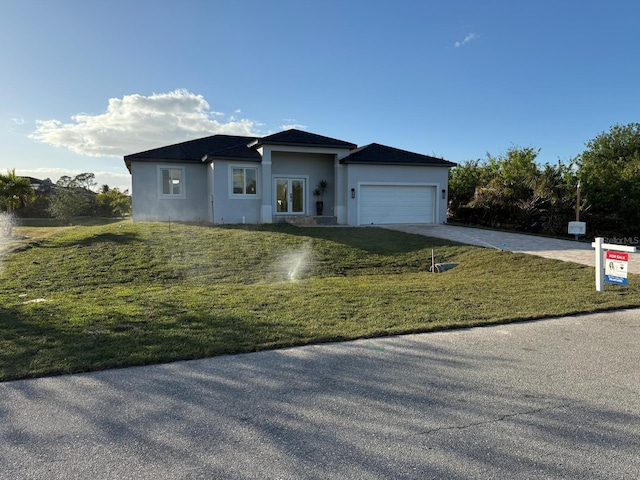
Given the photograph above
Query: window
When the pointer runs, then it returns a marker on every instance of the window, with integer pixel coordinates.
(245, 181)
(172, 182)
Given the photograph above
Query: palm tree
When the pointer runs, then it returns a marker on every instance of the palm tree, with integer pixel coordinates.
(14, 190)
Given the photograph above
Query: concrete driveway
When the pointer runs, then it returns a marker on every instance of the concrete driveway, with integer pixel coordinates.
(550, 399)
(565, 250)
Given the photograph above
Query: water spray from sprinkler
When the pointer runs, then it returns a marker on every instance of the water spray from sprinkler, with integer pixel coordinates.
(7, 222)
(296, 262)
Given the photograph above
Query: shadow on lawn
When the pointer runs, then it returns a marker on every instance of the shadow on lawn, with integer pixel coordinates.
(35, 339)
(119, 238)
(30, 342)
(370, 239)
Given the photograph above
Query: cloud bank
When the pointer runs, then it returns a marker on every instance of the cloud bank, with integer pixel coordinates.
(467, 39)
(135, 123)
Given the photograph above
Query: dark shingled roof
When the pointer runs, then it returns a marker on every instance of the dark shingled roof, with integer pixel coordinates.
(41, 185)
(377, 154)
(234, 147)
(299, 138)
(193, 151)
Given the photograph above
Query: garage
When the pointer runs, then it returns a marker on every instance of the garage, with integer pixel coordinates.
(384, 204)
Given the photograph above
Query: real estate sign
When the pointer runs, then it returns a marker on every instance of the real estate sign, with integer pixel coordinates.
(615, 267)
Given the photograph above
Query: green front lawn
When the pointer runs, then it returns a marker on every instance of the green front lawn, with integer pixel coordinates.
(91, 297)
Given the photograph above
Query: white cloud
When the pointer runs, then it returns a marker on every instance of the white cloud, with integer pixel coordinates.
(135, 123)
(292, 123)
(467, 39)
(14, 124)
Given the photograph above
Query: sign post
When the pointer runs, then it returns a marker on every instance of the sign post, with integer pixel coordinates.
(617, 262)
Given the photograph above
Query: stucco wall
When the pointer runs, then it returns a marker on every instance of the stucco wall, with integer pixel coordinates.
(208, 189)
(229, 208)
(148, 203)
(357, 175)
(314, 167)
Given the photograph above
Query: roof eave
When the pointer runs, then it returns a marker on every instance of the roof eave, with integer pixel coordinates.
(448, 164)
(350, 146)
(208, 158)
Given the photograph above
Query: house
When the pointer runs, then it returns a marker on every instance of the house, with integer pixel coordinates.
(45, 186)
(240, 179)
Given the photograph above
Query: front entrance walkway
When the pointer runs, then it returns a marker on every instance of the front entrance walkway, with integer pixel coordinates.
(554, 248)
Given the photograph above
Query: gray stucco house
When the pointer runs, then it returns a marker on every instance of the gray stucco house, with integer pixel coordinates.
(238, 179)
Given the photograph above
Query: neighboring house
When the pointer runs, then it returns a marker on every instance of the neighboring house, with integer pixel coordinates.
(41, 186)
(236, 179)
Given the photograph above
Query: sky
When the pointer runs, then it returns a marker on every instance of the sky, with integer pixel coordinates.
(85, 82)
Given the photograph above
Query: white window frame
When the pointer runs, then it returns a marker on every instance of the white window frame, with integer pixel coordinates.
(183, 185)
(245, 167)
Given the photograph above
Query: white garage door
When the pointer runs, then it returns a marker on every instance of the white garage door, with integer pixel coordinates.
(380, 204)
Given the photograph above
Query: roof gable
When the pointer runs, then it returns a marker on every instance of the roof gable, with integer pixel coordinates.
(299, 138)
(375, 153)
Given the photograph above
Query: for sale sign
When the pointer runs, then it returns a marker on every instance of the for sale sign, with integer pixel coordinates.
(616, 264)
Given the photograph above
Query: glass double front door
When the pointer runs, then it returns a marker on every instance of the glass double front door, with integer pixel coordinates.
(290, 195)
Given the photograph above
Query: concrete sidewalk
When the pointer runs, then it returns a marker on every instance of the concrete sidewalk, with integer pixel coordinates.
(557, 249)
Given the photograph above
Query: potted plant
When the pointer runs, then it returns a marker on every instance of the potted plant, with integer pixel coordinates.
(319, 192)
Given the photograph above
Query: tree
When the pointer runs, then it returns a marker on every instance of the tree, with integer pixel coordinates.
(113, 203)
(14, 191)
(513, 191)
(65, 181)
(85, 181)
(556, 188)
(464, 178)
(66, 203)
(609, 171)
(506, 193)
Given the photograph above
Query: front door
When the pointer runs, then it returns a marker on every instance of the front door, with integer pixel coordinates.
(290, 196)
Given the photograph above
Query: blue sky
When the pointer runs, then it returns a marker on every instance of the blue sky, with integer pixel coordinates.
(85, 82)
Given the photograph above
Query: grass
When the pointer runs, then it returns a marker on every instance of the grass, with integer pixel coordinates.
(91, 297)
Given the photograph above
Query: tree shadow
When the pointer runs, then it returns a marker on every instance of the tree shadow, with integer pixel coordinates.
(406, 407)
(369, 239)
(118, 238)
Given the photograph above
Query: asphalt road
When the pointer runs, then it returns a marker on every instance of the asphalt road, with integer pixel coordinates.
(558, 398)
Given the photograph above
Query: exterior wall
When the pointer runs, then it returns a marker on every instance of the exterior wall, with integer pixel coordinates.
(229, 208)
(357, 175)
(149, 205)
(312, 166)
(208, 192)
